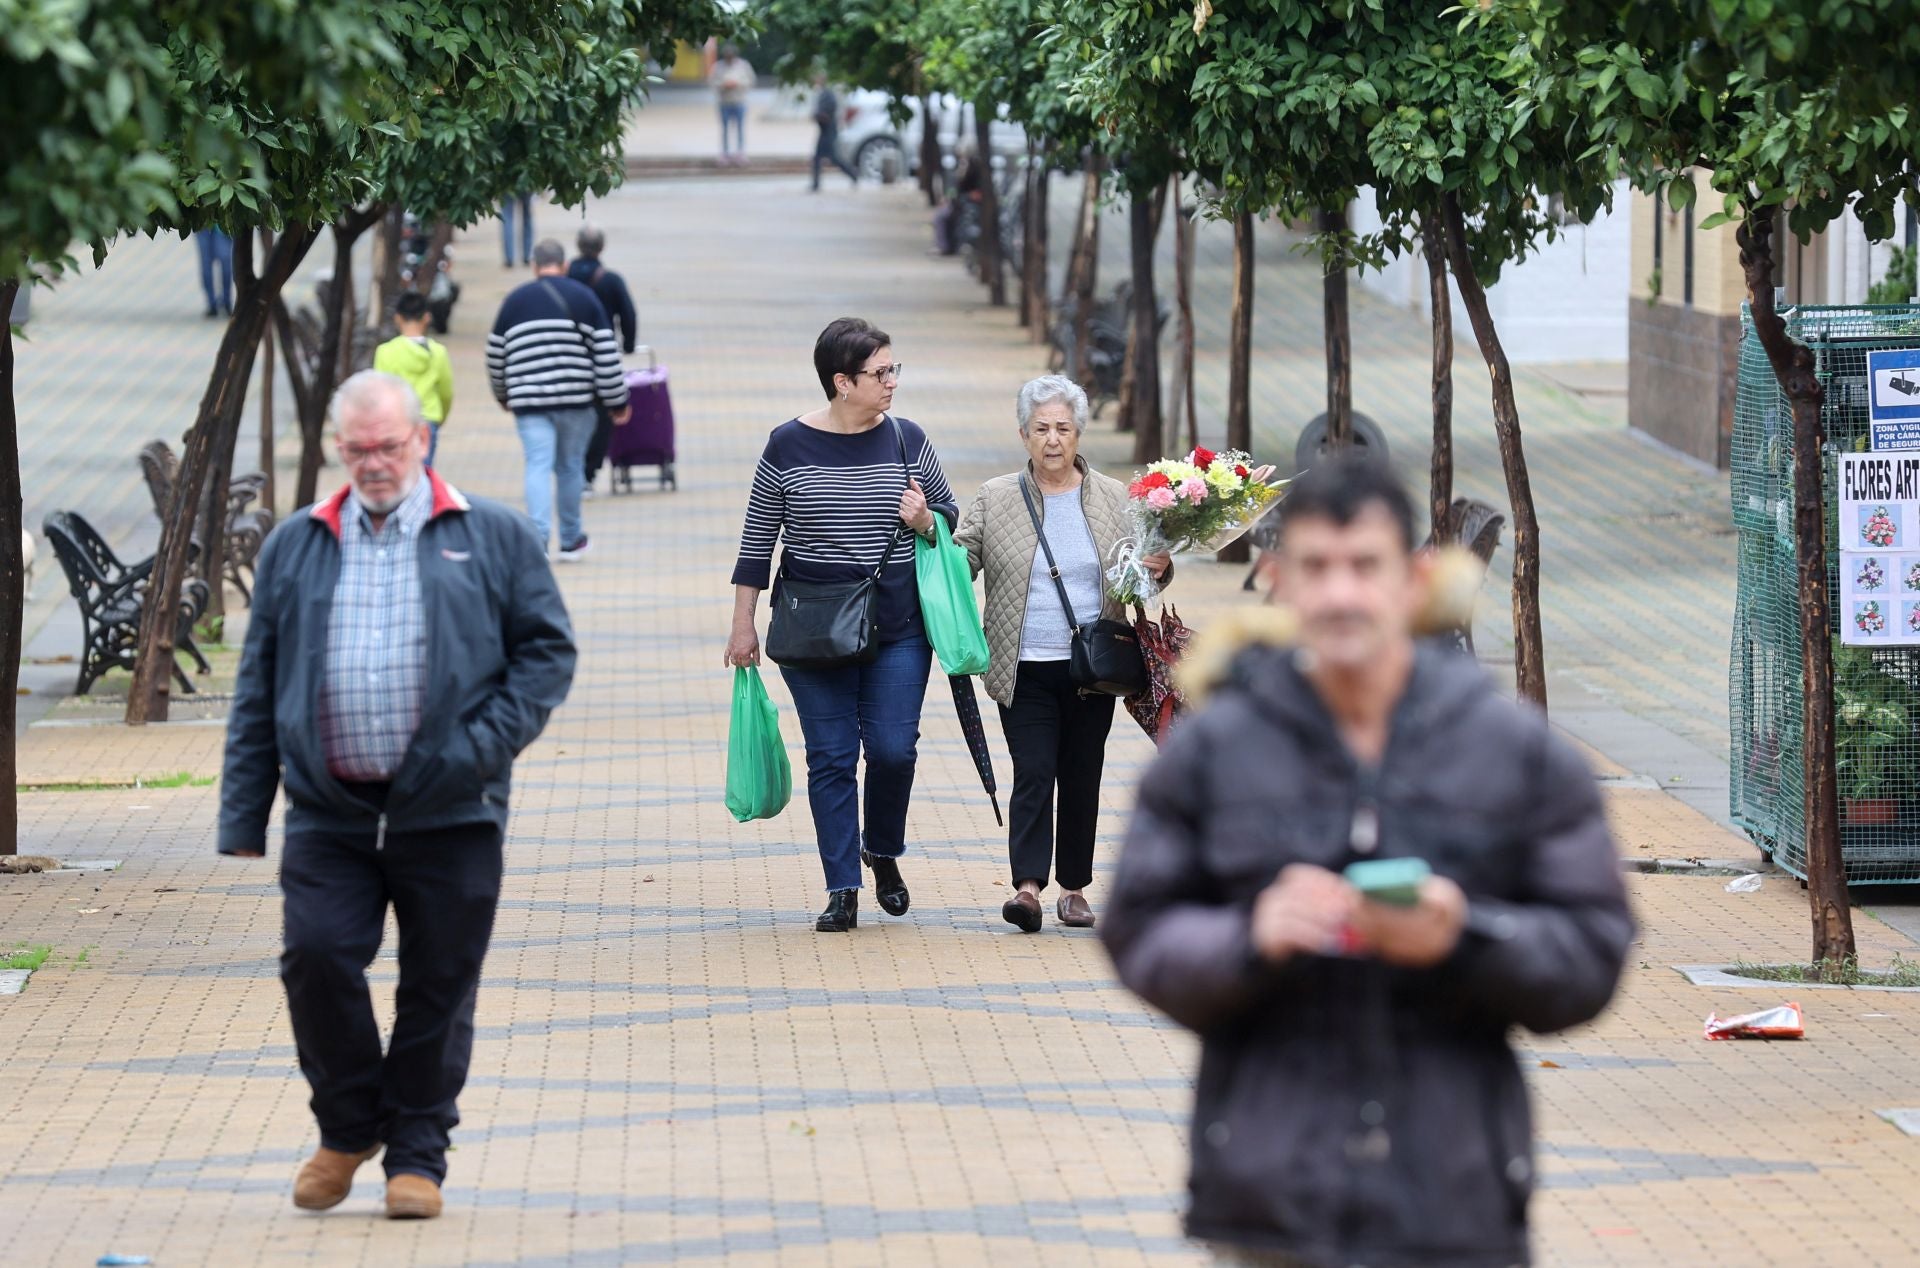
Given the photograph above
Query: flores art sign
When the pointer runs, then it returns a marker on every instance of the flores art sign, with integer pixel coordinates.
(1880, 549)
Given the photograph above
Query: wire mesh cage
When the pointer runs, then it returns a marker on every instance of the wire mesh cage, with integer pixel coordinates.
(1876, 690)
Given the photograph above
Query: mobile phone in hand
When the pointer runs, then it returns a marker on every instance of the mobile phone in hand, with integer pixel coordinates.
(1395, 882)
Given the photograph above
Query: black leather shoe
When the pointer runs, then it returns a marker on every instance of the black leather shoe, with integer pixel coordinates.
(842, 913)
(887, 885)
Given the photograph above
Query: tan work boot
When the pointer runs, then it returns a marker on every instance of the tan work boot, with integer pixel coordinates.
(326, 1178)
(411, 1197)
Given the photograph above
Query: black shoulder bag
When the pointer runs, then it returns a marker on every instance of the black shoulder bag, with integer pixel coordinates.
(830, 624)
(1106, 656)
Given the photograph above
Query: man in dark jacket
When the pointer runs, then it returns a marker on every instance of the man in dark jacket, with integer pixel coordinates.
(1357, 1101)
(611, 290)
(404, 645)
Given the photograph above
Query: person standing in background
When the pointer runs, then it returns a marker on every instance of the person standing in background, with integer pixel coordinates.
(733, 78)
(420, 360)
(826, 115)
(216, 258)
(550, 358)
(611, 290)
(522, 203)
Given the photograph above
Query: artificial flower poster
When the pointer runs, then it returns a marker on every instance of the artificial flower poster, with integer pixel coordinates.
(1880, 549)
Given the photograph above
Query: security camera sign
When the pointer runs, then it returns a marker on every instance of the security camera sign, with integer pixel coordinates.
(1893, 405)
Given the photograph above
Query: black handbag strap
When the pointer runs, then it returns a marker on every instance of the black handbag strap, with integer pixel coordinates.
(1053, 569)
(566, 311)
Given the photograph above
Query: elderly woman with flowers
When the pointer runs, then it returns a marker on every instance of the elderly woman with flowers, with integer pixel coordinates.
(1057, 735)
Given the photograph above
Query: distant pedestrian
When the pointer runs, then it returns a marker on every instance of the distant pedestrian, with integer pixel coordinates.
(826, 116)
(523, 205)
(1056, 733)
(733, 79)
(551, 357)
(405, 644)
(422, 361)
(216, 270)
(611, 290)
(847, 485)
(1358, 1101)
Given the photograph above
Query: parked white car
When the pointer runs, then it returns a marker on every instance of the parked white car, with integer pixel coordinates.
(868, 136)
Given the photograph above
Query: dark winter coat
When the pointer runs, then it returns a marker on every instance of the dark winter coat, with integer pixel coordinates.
(1348, 1112)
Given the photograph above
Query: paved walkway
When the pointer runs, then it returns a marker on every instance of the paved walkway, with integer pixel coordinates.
(672, 1066)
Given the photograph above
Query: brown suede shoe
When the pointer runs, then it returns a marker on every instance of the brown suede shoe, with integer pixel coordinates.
(411, 1197)
(1074, 912)
(326, 1178)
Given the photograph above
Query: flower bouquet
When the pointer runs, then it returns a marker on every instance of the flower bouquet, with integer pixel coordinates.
(1913, 578)
(1878, 530)
(1869, 619)
(1201, 502)
(1871, 576)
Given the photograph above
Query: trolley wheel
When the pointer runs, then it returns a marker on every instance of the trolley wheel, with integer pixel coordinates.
(668, 479)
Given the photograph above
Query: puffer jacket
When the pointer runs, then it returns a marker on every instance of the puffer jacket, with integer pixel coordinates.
(1348, 1112)
(1000, 541)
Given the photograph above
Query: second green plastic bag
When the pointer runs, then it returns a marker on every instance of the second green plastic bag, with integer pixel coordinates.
(759, 779)
(947, 603)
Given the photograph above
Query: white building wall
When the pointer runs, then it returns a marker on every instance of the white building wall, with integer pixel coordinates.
(1566, 302)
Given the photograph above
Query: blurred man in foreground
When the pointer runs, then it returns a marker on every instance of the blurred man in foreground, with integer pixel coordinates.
(1357, 1099)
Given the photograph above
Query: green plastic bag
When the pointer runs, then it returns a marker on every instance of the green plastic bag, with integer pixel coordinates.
(947, 602)
(759, 780)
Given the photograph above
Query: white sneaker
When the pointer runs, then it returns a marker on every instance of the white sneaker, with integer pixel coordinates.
(586, 494)
(568, 554)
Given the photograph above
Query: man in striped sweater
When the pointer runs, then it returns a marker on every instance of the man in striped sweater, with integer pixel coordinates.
(554, 363)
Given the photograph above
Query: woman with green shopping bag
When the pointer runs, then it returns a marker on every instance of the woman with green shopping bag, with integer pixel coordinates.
(1056, 516)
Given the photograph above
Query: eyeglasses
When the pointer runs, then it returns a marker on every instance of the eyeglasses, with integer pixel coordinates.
(883, 373)
(354, 455)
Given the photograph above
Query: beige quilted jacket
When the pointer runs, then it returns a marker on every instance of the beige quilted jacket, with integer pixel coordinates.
(998, 536)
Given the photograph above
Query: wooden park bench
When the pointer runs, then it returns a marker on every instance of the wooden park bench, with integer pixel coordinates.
(247, 526)
(111, 595)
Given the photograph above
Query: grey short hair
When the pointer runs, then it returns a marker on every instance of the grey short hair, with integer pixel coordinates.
(370, 389)
(591, 241)
(547, 253)
(1046, 390)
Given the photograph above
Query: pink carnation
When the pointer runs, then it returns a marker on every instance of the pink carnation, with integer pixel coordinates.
(1160, 499)
(1194, 490)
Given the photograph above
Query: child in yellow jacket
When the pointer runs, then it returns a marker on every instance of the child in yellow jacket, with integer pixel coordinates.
(421, 361)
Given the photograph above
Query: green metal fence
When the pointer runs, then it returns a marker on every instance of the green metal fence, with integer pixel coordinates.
(1876, 690)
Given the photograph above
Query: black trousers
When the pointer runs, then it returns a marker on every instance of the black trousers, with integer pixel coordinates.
(599, 442)
(443, 887)
(1058, 739)
(827, 150)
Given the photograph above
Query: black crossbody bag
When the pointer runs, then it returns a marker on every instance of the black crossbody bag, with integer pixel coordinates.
(830, 624)
(1106, 656)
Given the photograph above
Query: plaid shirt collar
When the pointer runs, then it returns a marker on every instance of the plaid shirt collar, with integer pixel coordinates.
(414, 510)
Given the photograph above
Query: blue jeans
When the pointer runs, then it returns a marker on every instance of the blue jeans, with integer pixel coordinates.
(216, 257)
(433, 442)
(842, 711)
(524, 204)
(734, 117)
(555, 441)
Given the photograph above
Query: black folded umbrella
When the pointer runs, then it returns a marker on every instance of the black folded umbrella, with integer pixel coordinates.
(967, 705)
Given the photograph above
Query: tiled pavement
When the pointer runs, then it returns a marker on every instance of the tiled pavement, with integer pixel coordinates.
(672, 1066)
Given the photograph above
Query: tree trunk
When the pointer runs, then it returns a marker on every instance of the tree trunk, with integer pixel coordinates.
(1181, 389)
(389, 258)
(13, 581)
(1034, 257)
(1144, 347)
(1793, 366)
(1086, 271)
(992, 272)
(930, 150)
(1440, 480)
(1240, 360)
(1026, 233)
(268, 490)
(1529, 652)
(336, 351)
(1334, 312)
(220, 407)
(1189, 396)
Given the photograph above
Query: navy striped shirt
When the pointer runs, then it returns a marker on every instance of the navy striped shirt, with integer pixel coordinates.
(552, 348)
(835, 498)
